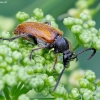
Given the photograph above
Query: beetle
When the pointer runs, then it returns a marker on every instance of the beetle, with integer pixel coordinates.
(46, 36)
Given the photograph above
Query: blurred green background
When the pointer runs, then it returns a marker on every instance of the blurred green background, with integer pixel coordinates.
(9, 8)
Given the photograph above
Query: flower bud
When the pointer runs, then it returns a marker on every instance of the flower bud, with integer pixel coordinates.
(84, 16)
(91, 23)
(22, 16)
(76, 29)
(23, 97)
(75, 93)
(84, 83)
(90, 75)
(5, 34)
(68, 21)
(38, 13)
(88, 95)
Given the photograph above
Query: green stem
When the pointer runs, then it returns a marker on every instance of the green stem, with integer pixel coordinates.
(76, 46)
(13, 89)
(18, 88)
(6, 93)
(21, 91)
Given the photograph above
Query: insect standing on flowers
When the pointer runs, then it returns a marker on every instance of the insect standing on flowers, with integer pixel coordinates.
(46, 36)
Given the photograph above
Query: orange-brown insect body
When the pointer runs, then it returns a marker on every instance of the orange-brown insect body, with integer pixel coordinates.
(39, 30)
(48, 37)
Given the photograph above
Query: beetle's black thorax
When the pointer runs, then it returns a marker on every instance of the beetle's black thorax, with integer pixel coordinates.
(60, 45)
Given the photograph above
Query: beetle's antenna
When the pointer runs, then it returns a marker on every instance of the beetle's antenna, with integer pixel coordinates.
(94, 51)
(59, 78)
(13, 38)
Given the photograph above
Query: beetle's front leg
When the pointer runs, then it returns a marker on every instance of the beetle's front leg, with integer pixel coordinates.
(59, 78)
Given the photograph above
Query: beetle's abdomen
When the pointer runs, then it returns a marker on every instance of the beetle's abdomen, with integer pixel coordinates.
(39, 30)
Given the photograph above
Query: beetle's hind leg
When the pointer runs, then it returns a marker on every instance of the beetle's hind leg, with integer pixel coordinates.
(13, 38)
(30, 56)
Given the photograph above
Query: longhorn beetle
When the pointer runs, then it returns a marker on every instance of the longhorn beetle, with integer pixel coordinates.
(46, 36)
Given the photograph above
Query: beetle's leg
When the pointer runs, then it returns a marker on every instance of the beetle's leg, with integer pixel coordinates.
(30, 56)
(66, 60)
(59, 78)
(55, 62)
(94, 51)
(49, 23)
(16, 37)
